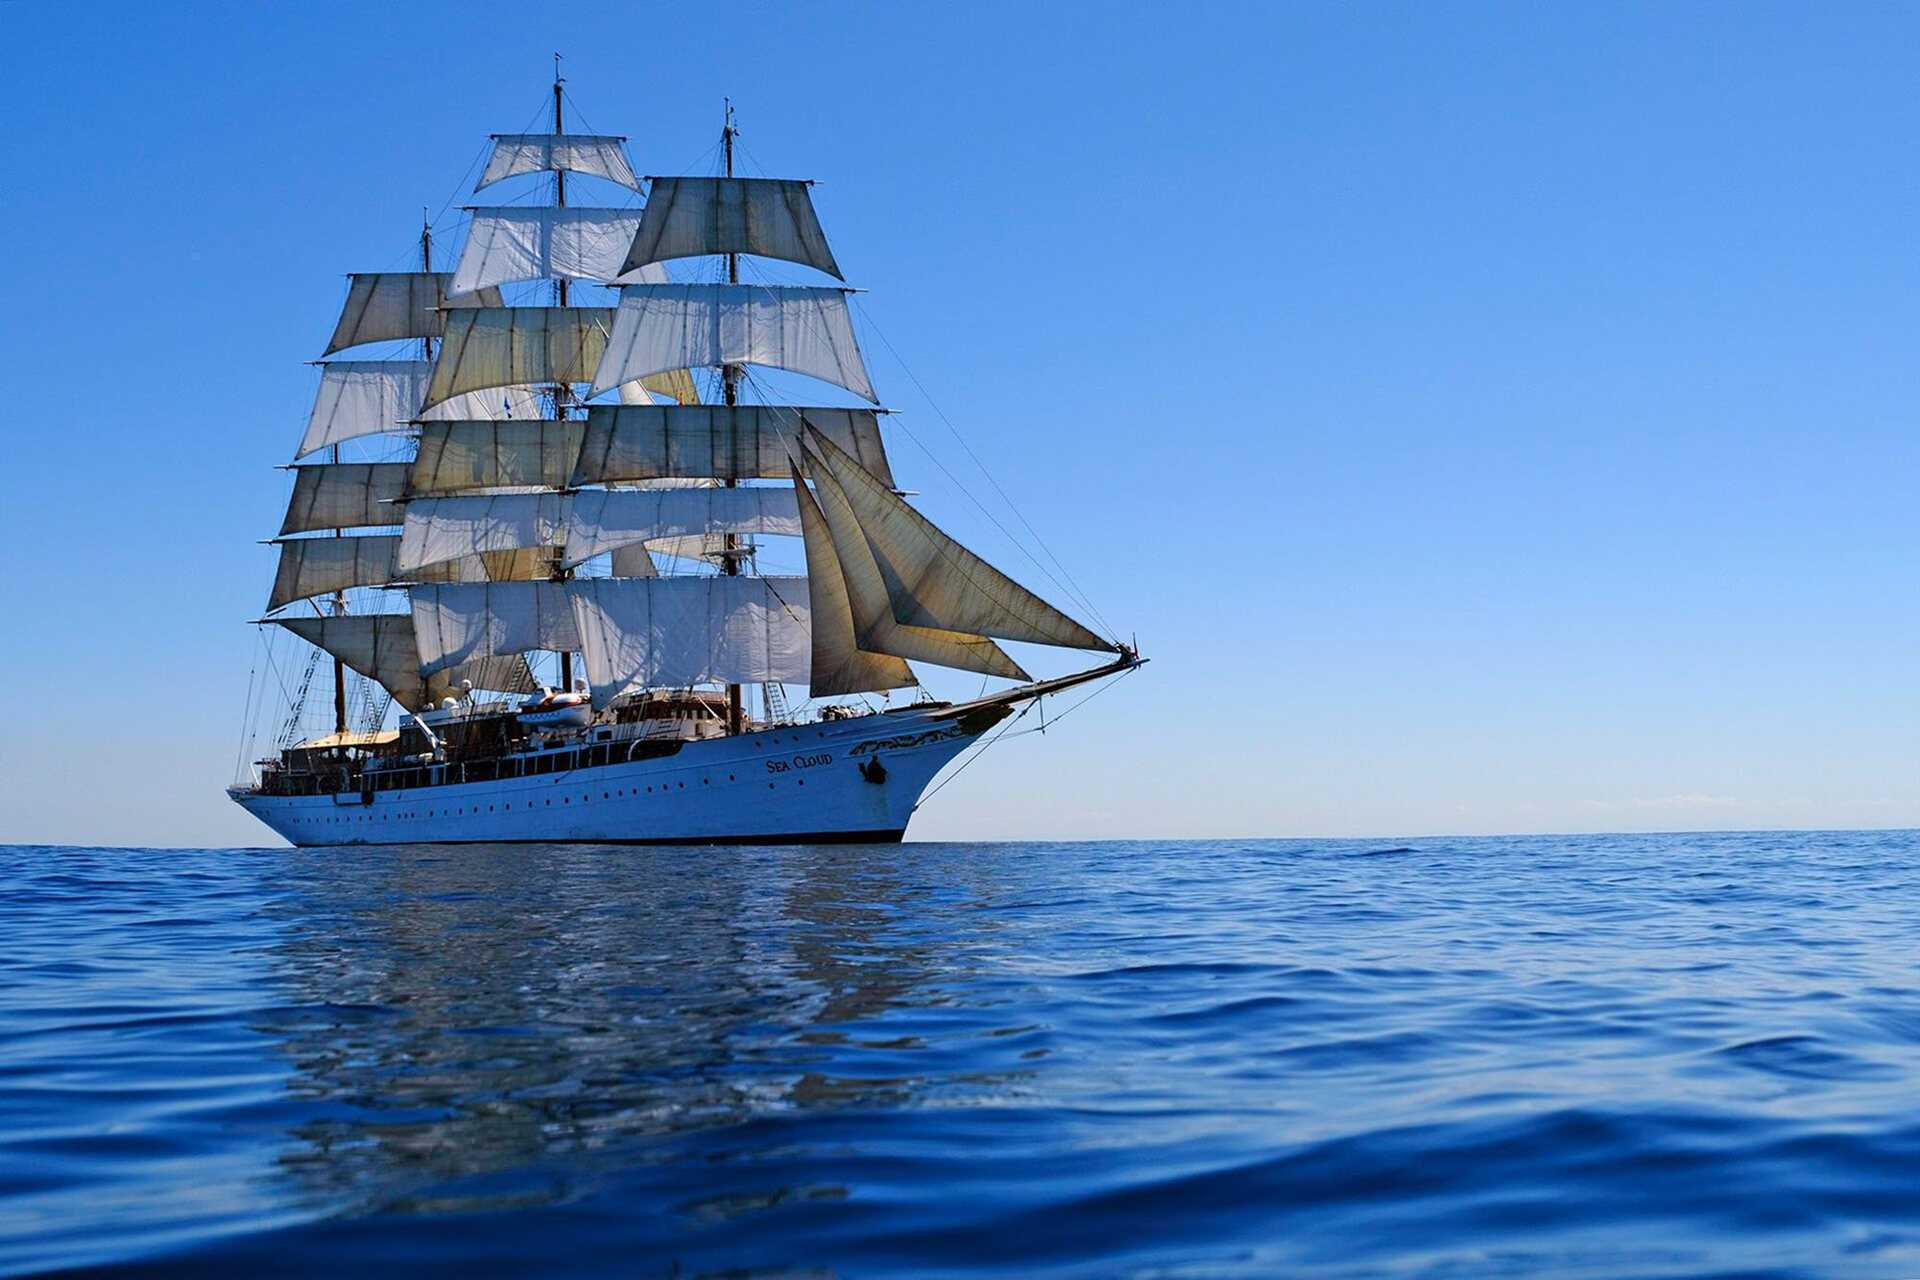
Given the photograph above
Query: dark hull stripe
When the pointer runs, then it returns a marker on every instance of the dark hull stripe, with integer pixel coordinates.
(810, 837)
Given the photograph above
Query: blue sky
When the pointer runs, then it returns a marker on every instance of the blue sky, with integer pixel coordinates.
(1489, 417)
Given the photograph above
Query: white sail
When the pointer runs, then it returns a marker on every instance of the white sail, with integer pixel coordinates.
(544, 243)
(690, 217)
(438, 529)
(875, 628)
(640, 633)
(603, 519)
(633, 561)
(343, 495)
(686, 326)
(322, 566)
(517, 153)
(503, 346)
(495, 403)
(495, 454)
(933, 581)
(456, 624)
(838, 663)
(380, 646)
(386, 305)
(676, 385)
(363, 398)
(744, 442)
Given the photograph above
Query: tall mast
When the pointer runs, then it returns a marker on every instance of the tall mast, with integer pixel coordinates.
(730, 393)
(560, 389)
(333, 455)
(339, 667)
(426, 264)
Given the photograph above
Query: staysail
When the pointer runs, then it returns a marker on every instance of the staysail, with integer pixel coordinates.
(838, 663)
(933, 581)
(876, 630)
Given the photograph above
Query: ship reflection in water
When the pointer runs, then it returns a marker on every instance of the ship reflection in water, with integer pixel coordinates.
(1575, 1056)
(510, 1027)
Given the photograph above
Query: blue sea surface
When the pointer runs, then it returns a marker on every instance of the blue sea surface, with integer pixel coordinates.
(1613, 1056)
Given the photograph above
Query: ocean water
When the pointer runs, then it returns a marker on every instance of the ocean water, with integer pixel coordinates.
(1684, 1055)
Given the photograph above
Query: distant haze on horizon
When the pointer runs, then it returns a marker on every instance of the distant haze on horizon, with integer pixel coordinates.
(1489, 419)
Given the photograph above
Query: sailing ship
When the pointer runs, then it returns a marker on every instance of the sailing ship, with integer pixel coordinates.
(587, 488)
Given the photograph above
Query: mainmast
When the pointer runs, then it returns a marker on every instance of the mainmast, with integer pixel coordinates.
(560, 389)
(730, 394)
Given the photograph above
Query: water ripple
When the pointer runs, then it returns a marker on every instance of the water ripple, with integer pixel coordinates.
(1583, 1057)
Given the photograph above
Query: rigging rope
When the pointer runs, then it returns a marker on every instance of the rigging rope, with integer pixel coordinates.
(1003, 732)
(1071, 587)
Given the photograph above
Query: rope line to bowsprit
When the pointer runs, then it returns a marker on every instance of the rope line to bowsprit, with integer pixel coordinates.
(1069, 586)
(1003, 732)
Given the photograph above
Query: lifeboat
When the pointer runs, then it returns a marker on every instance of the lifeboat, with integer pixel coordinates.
(553, 711)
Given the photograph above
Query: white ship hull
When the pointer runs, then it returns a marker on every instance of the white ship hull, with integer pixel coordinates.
(792, 784)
